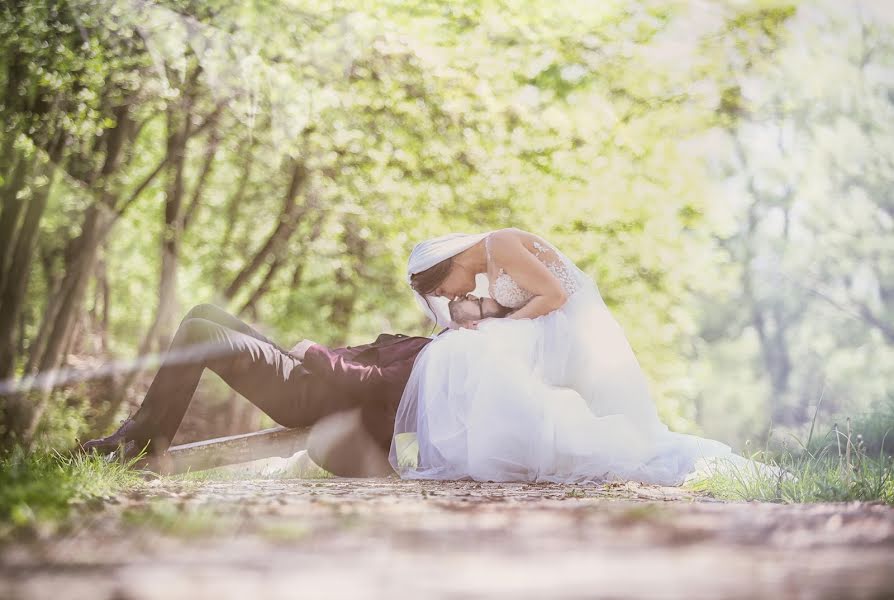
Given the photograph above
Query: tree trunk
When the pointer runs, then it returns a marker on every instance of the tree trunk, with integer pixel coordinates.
(36, 350)
(15, 284)
(99, 306)
(12, 206)
(298, 255)
(72, 338)
(232, 212)
(105, 299)
(346, 284)
(178, 133)
(161, 328)
(22, 322)
(289, 219)
(199, 187)
(24, 411)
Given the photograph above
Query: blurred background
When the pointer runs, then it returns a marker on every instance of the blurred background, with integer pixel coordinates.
(722, 170)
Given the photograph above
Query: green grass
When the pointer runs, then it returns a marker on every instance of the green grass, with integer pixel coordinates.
(38, 490)
(174, 518)
(874, 427)
(836, 468)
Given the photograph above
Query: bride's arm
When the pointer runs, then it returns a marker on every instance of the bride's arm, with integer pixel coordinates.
(510, 253)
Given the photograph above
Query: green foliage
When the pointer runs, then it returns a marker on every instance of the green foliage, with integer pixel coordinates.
(871, 432)
(66, 419)
(840, 470)
(587, 126)
(172, 518)
(39, 490)
(875, 427)
(807, 165)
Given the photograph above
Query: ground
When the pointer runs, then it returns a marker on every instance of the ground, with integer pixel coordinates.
(378, 538)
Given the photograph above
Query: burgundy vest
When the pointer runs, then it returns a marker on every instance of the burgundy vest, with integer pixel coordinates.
(373, 375)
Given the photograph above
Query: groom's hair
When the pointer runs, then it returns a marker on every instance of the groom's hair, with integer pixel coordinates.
(455, 313)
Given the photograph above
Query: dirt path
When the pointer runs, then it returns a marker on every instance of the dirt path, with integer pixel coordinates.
(387, 538)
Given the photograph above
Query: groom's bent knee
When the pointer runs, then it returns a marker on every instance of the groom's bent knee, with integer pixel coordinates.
(202, 311)
(206, 340)
(197, 330)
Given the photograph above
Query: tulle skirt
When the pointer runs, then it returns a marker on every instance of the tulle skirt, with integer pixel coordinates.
(559, 398)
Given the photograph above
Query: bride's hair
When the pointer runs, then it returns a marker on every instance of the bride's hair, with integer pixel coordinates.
(427, 281)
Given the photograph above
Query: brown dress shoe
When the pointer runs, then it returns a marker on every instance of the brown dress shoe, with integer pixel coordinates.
(129, 435)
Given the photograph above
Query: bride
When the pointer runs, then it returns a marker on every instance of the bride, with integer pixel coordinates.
(550, 392)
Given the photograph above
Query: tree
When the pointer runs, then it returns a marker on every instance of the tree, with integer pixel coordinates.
(810, 161)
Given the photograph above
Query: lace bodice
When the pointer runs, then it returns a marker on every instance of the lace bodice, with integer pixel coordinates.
(507, 292)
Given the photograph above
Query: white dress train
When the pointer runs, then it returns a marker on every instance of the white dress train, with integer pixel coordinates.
(558, 398)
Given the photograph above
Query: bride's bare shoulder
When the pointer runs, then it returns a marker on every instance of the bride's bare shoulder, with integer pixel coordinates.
(511, 236)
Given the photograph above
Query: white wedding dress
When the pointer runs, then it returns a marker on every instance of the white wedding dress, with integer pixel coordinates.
(557, 398)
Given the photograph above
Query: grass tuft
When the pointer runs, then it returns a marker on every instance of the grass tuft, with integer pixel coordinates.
(39, 489)
(839, 470)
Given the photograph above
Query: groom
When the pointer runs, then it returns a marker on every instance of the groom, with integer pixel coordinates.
(309, 385)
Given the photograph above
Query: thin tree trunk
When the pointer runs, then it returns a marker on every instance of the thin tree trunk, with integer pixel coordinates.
(97, 218)
(95, 318)
(72, 338)
(774, 350)
(12, 206)
(178, 132)
(51, 309)
(167, 279)
(346, 284)
(288, 221)
(204, 174)
(27, 416)
(299, 255)
(105, 301)
(22, 323)
(232, 214)
(15, 286)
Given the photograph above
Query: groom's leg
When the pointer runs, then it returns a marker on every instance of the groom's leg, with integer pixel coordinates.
(340, 443)
(212, 312)
(270, 378)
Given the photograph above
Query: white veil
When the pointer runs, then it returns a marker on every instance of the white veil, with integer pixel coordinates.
(429, 253)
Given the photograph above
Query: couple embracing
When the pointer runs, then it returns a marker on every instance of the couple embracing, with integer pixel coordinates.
(534, 382)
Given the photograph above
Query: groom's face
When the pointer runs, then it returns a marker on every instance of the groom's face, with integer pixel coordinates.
(468, 309)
